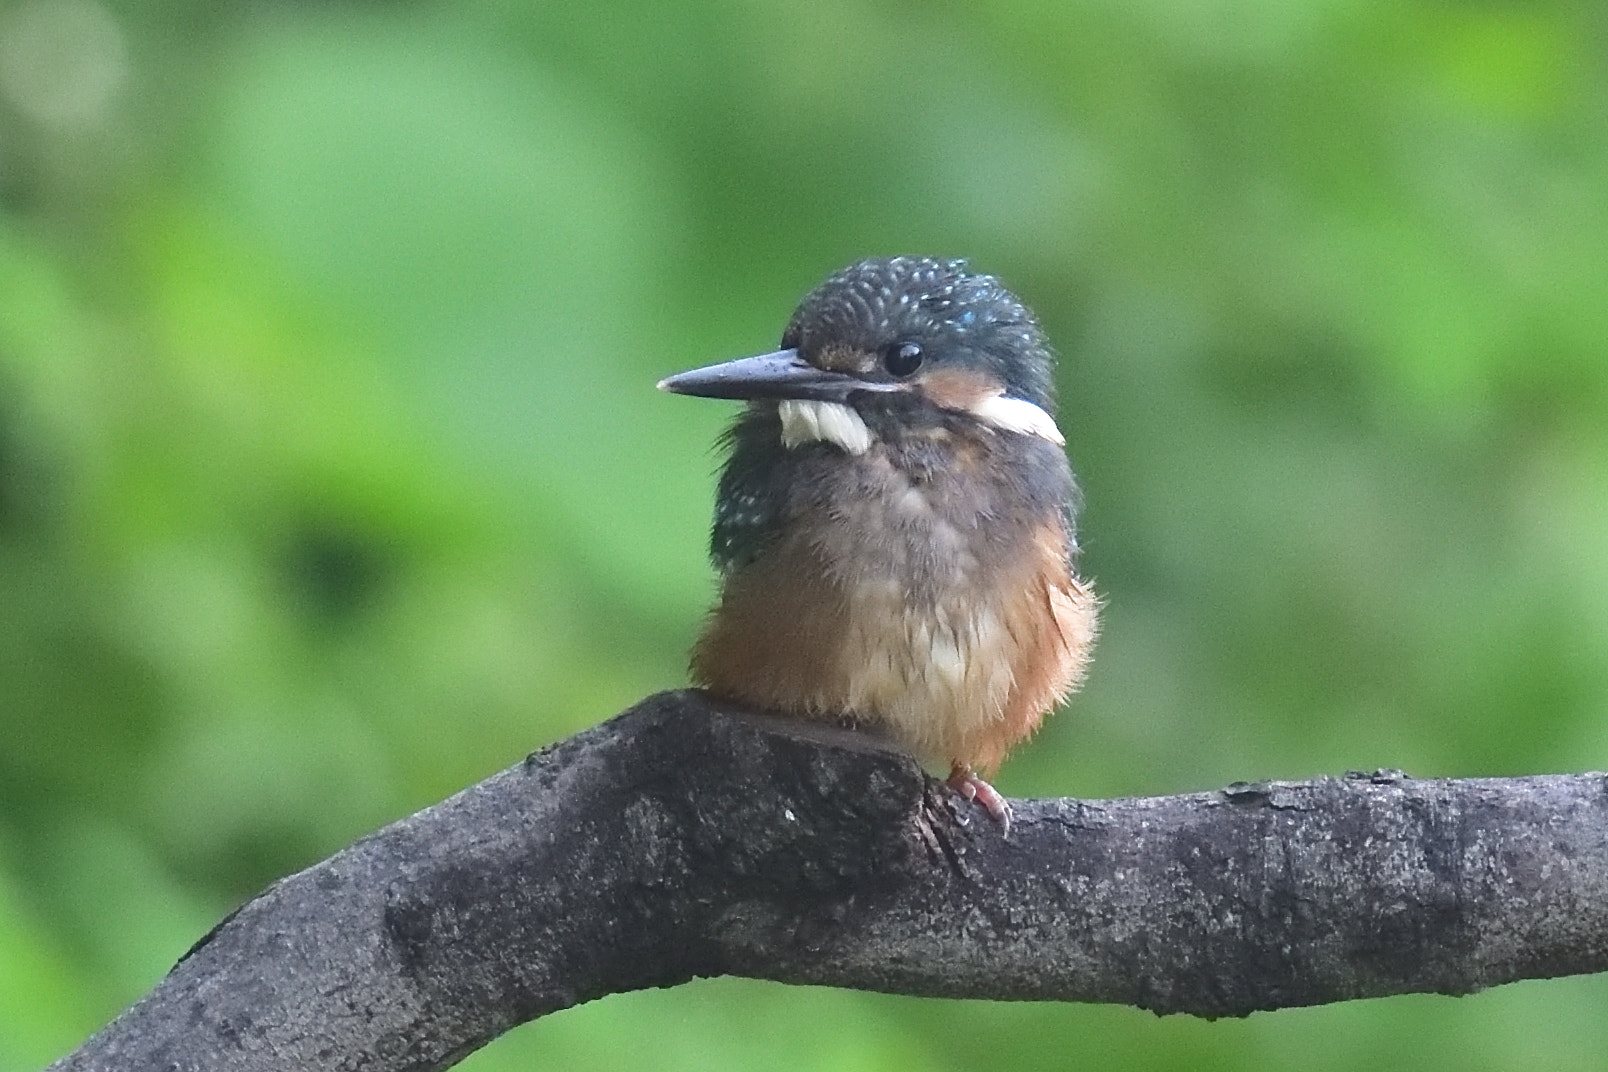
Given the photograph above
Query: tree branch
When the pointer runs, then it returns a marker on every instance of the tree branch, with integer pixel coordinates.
(683, 839)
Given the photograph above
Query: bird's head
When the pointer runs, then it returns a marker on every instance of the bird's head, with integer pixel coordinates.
(895, 342)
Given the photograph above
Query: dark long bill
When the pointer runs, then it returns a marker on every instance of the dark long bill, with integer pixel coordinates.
(782, 374)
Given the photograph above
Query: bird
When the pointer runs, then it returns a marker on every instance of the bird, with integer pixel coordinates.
(894, 523)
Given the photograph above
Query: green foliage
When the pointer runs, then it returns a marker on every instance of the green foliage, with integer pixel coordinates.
(332, 477)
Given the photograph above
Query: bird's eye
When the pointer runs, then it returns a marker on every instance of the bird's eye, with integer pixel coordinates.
(903, 358)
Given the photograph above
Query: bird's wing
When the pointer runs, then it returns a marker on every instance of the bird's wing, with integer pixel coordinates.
(752, 493)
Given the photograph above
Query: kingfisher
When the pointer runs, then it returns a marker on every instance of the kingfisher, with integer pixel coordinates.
(894, 522)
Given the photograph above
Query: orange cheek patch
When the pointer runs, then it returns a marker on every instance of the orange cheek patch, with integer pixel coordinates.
(956, 389)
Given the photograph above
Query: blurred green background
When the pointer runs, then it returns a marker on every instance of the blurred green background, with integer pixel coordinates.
(332, 476)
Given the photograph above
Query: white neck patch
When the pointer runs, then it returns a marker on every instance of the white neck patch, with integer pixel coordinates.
(1017, 415)
(827, 422)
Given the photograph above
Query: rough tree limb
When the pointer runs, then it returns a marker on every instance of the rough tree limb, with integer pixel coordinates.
(682, 839)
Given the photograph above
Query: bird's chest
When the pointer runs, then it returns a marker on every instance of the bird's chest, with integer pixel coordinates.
(921, 532)
(924, 560)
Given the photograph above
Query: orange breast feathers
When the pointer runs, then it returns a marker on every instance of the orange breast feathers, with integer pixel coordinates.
(946, 648)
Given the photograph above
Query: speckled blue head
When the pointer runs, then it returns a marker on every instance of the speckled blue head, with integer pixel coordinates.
(956, 316)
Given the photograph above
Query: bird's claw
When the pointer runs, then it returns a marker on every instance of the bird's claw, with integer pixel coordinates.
(967, 784)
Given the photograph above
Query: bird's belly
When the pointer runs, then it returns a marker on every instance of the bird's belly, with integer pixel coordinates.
(931, 674)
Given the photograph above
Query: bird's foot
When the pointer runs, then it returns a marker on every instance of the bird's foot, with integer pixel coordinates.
(968, 784)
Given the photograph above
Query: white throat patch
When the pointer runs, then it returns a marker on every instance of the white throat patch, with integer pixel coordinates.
(1017, 415)
(829, 422)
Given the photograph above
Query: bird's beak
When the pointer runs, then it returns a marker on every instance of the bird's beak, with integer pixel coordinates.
(782, 375)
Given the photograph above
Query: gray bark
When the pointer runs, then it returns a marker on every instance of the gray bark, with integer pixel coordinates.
(685, 839)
